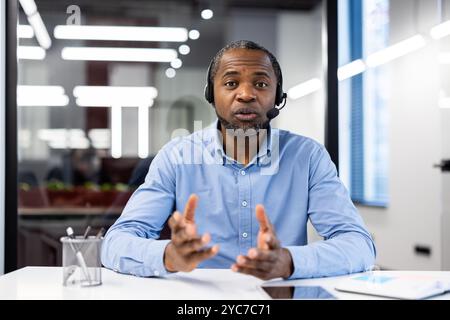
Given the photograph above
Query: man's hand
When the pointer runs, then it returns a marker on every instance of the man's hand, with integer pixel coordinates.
(268, 260)
(186, 250)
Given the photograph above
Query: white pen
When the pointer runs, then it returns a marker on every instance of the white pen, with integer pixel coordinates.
(78, 255)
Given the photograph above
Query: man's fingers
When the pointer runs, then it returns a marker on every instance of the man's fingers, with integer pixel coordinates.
(181, 230)
(262, 255)
(261, 265)
(264, 223)
(204, 254)
(189, 210)
(183, 235)
(272, 241)
(176, 222)
(192, 246)
(253, 272)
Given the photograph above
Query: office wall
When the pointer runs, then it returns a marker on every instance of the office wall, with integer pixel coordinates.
(299, 46)
(2, 135)
(415, 208)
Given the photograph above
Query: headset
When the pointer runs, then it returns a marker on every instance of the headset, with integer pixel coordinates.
(280, 96)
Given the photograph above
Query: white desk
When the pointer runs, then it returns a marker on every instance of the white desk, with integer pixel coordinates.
(202, 284)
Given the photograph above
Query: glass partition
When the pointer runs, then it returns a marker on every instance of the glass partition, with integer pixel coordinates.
(103, 85)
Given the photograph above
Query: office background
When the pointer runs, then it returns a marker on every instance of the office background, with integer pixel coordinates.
(74, 162)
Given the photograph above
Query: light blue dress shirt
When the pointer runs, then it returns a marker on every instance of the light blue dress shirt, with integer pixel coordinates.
(292, 176)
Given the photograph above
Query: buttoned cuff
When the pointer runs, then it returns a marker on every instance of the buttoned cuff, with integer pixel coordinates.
(154, 258)
(304, 261)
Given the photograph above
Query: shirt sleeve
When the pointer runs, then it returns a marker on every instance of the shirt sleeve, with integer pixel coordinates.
(348, 246)
(130, 245)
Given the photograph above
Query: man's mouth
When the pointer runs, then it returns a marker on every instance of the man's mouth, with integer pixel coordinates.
(246, 115)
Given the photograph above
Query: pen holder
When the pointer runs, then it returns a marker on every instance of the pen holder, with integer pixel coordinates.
(81, 261)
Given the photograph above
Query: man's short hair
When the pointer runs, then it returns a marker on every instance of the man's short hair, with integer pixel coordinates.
(244, 44)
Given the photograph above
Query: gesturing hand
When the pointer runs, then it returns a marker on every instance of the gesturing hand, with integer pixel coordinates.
(186, 249)
(268, 260)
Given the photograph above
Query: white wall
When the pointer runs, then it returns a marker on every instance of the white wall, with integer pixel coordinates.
(299, 43)
(415, 207)
(2, 136)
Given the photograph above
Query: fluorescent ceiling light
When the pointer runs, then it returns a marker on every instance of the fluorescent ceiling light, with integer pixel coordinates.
(40, 90)
(40, 30)
(207, 14)
(25, 31)
(28, 6)
(116, 132)
(440, 31)
(194, 34)
(350, 70)
(143, 132)
(101, 138)
(47, 101)
(64, 138)
(396, 51)
(119, 54)
(170, 73)
(444, 103)
(184, 49)
(444, 58)
(304, 89)
(107, 96)
(108, 102)
(60, 134)
(45, 96)
(117, 33)
(177, 63)
(71, 144)
(30, 53)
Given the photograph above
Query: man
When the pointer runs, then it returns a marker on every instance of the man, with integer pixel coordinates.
(245, 187)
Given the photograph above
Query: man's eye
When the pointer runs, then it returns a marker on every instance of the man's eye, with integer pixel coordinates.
(261, 85)
(230, 83)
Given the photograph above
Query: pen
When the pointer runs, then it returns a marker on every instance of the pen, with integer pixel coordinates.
(87, 232)
(78, 254)
(92, 244)
(100, 233)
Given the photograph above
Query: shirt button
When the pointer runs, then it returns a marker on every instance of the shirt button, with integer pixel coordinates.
(156, 273)
(243, 173)
(244, 203)
(245, 235)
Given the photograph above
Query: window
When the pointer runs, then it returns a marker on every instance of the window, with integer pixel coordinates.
(363, 127)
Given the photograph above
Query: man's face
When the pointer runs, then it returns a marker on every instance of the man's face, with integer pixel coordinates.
(244, 89)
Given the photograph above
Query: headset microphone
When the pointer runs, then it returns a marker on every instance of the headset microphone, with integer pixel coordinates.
(274, 112)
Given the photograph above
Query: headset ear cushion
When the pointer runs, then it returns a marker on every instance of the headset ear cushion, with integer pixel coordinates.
(209, 94)
(206, 93)
(279, 95)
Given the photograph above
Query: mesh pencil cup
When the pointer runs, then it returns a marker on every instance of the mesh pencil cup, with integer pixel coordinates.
(81, 261)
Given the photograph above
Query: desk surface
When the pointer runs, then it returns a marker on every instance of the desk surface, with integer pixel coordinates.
(202, 284)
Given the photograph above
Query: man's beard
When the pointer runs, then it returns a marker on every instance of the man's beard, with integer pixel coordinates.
(251, 127)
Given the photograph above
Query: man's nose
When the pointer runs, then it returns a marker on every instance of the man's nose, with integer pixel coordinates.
(246, 93)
